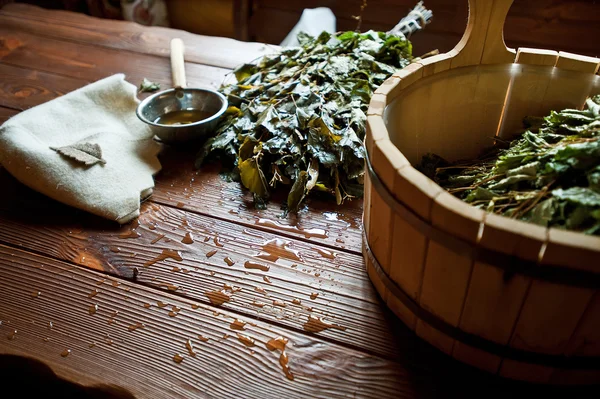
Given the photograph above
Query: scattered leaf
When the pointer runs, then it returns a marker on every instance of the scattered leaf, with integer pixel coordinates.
(148, 86)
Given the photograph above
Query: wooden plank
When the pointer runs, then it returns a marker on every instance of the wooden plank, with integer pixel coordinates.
(122, 35)
(141, 361)
(110, 346)
(91, 63)
(300, 280)
(204, 192)
(24, 88)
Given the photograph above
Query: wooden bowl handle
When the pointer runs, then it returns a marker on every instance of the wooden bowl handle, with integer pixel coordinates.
(178, 64)
(483, 40)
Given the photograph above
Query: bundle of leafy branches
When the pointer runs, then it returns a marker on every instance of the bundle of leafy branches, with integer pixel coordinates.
(298, 118)
(549, 176)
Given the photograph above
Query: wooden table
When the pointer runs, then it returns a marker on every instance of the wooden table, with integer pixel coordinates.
(66, 277)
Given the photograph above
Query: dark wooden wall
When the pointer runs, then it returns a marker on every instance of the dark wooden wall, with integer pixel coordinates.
(568, 25)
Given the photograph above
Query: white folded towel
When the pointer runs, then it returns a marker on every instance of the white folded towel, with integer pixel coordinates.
(32, 148)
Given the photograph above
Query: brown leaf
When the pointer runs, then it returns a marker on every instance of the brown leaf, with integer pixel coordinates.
(86, 153)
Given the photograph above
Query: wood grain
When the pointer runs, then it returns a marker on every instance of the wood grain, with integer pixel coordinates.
(45, 54)
(25, 88)
(328, 283)
(122, 35)
(91, 63)
(141, 360)
(37, 290)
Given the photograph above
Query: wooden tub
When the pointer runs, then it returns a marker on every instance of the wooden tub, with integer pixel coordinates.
(515, 299)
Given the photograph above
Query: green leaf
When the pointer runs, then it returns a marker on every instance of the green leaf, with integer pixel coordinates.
(304, 109)
(543, 212)
(253, 178)
(148, 86)
(298, 192)
(244, 72)
(578, 195)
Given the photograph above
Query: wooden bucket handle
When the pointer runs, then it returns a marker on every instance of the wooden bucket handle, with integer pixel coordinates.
(483, 40)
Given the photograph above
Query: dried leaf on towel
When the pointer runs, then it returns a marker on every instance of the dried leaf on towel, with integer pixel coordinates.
(86, 153)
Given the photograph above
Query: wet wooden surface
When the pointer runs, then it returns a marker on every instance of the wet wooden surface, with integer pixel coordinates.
(67, 283)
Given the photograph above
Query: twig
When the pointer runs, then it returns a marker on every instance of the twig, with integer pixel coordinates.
(359, 17)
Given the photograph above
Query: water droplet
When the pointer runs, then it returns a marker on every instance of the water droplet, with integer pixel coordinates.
(206, 239)
(36, 294)
(11, 335)
(190, 348)
(277, 343)
(100, 282)
(231, 288)
(276, 248)
(130, 234)
(175, 269)
(326, 254)
(217, 242)
(314, 295)
(93, 293)
(244, 339)
(178, 358)
(93, 309)
(229, 261)
(252, 265)
(258, 304)
(114, 249)
(157, 239)
(152, 226)
(252, 233)
(238, 324)
(217, 298)
(283, 362)
(115, 313)
(267, 279)
(166, 253)
(188, 239)
(315, 325)
(211, 253)
(195, 306)
(108, 341)
(91, 345)
(135, 326)
(339, 240)
(260, 289)
(46, 339)
(65, 353)
(161, 304)
(296, 301)
(169, 286)
(225, 336)
(180, 205)
(308, 233)
(115, 283)
(279, 303)
(147, 305)
(203, 338)
(50, 325)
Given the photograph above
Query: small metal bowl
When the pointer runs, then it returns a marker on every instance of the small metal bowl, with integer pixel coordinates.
(159, 104)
